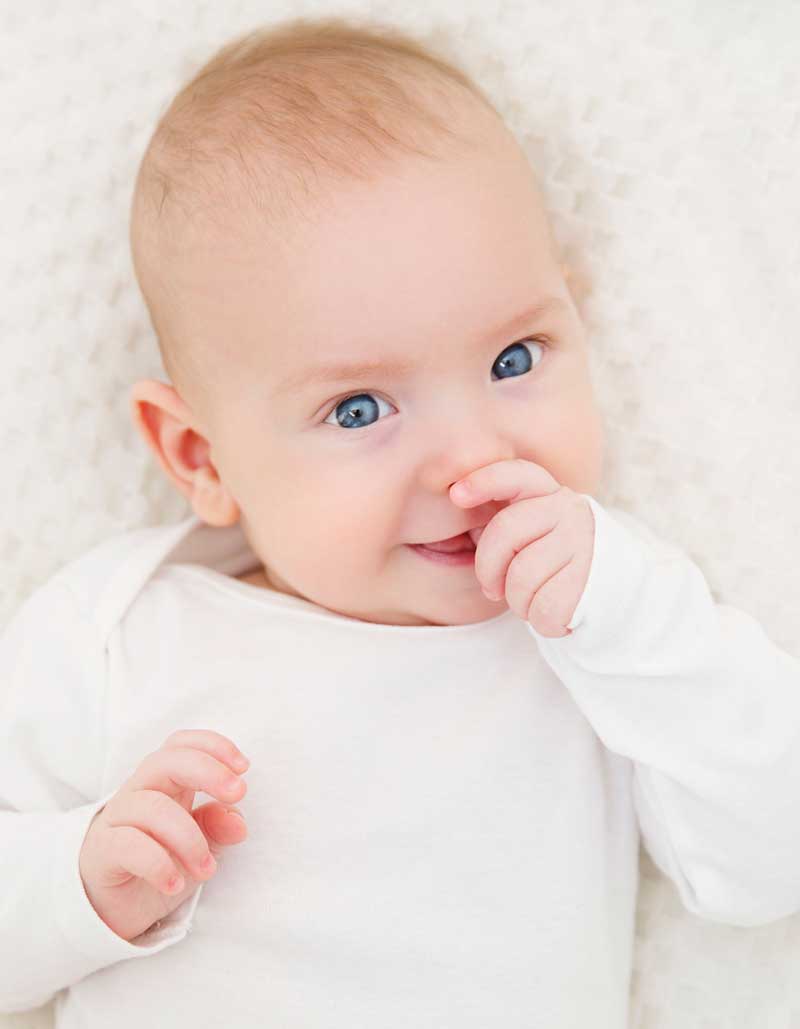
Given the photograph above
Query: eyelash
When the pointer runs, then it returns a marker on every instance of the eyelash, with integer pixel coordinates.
(543, 343)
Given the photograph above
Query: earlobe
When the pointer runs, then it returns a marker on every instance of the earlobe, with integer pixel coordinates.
(211, 500)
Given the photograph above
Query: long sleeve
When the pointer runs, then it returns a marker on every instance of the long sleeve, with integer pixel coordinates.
(707, 708)
(52, 749)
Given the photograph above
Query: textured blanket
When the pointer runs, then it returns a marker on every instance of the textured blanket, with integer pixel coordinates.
(667, 141)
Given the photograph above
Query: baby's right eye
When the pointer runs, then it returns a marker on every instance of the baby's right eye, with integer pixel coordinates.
(350, 412)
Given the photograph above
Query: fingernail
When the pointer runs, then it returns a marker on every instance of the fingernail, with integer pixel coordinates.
(241, 762)
(238, 814)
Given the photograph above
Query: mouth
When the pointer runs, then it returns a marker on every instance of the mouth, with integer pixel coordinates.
(467, 540)
(455, 550)
(451, 545)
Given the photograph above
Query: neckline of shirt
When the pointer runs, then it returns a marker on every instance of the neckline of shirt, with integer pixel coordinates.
(216, 555)
(284, 601)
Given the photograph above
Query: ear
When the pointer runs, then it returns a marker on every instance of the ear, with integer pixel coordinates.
(171, 431)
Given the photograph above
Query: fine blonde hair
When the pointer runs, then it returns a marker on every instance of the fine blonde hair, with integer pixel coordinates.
(261, 127)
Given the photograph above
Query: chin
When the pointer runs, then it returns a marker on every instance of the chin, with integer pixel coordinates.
(477, 610)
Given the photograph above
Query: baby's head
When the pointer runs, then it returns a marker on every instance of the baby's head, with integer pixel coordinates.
(324, 195)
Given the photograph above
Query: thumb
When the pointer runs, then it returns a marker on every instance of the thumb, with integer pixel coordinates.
(222, 826)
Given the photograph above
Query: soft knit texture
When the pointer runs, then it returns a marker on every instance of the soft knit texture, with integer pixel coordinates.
(443, 820)
(667, 140)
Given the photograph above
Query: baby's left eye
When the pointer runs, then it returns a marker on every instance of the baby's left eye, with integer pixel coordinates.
(514, 359)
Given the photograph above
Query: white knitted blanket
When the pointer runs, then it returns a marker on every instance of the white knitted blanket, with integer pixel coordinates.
(667, 139)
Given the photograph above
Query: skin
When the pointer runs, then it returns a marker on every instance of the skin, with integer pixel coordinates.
(425, 263)
(537, 551)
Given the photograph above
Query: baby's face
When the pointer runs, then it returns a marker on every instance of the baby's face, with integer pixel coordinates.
(426, 285)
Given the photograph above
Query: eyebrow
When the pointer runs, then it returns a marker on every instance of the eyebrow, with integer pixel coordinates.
(343, 371)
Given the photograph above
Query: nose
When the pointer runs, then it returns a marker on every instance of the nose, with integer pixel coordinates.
(469, 463)
(458, 437)
(468, 454)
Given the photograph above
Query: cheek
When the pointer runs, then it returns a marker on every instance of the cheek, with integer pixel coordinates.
(581, 450)
(359, 520)
(343, 504)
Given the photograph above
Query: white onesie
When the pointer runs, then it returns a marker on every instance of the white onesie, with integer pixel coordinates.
(443, 821)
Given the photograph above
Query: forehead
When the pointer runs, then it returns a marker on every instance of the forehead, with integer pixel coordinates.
(430, 249)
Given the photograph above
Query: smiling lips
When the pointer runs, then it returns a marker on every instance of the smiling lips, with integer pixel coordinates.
(452, 545)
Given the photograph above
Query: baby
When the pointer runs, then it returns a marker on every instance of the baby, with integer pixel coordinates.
(466, 690)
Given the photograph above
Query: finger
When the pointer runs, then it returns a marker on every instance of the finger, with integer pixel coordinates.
(556, 600)
(212, 743)
(475, 534)
(511, 480)
(509, 532)
(179, 771)
(223, 827)
(135, 853)
(168, 824)
(531, 569)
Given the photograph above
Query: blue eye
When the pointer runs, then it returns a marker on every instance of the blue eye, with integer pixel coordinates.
(351, 412)
(509, 360)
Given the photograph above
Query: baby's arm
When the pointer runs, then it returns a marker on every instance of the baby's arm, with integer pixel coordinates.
(52, 749)
(708, 709)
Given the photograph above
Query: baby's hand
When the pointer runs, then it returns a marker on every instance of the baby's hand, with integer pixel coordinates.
(537, 551)
(143, 852)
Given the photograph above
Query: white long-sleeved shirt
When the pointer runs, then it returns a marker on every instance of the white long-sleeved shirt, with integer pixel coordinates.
(443, 820)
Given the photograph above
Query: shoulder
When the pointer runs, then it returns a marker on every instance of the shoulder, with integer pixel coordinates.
(94, 590)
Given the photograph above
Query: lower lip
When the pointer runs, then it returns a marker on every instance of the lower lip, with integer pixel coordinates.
(461, 557)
